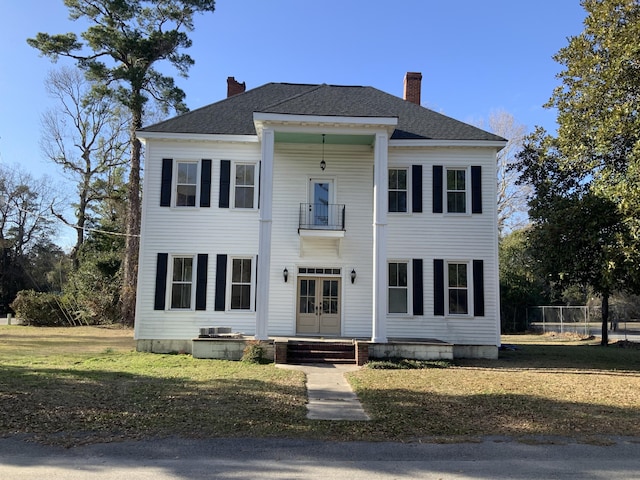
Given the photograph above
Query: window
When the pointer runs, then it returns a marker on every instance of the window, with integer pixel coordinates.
(458, 288)
(241, 284)
(456, 191)
(397, 190)
(181, 282)
(186, 184)
(398, 287)
(245, 189)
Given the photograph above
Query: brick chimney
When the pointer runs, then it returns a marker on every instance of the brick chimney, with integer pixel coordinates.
(234, 87)
(412, 84)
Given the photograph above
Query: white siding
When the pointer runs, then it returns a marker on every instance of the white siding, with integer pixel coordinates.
(214, 231)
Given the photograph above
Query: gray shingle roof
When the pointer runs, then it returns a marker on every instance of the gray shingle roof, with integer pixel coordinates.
(234, 115)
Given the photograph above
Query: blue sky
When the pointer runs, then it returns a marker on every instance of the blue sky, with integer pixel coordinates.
(475, 56)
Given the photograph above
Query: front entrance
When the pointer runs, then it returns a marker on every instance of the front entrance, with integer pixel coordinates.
(318, 306)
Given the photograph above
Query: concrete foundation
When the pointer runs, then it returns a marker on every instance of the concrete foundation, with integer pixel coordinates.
(489, 352)
(228, 349)
(412, 350)
(163, 346)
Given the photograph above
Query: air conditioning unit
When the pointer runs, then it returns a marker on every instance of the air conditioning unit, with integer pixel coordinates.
(212, 332)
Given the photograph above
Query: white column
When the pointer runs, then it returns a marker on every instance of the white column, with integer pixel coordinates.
(264, 236)
(380, 207)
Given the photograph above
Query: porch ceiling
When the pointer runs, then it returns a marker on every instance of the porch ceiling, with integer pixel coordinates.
(329, 139)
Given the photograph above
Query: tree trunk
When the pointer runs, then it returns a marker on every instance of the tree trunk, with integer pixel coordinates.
(130, 262)
(605, 320)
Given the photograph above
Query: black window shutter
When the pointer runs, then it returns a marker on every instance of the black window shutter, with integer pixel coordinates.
(201, 282)
(161, 282)
(478, 288)
(418, 287)
(225, 183)
(437, 189)
(476, 189)
(416, 188)
(165, 185)
(438, 287)
(205, 183)
(255, 296)
(221, 282)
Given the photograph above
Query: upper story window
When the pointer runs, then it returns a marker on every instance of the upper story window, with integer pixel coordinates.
(398, 190)
(181, 282)
(186, 184)
(245, 185)
(456, 190)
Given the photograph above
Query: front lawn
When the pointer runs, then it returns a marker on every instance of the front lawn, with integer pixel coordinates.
(86, 384)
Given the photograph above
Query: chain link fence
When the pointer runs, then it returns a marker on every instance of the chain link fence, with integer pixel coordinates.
(581, 320)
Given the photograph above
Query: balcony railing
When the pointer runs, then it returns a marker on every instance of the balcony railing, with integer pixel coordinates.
(321, 216)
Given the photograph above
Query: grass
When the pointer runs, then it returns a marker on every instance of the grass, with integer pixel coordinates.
(86, 384)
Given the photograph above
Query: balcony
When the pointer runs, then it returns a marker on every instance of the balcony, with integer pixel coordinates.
(321, 222)
(321, 216)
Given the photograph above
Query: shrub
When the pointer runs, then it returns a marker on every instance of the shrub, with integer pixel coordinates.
(406, 364)
(253, 353)
(40, 309)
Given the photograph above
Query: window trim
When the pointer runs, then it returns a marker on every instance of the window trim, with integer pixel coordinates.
(233, 186)
(174, 183)
(409, 204)
(170, 282)
(252, 284)
(409, 287)
(469, 288)
(467, 189)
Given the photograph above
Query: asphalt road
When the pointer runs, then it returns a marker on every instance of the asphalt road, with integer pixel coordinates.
(492, 458)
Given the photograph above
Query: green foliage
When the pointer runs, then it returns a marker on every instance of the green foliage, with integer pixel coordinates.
(521, 283)
(93, 290)
(406, 364)
(40, 309)
(253, 353)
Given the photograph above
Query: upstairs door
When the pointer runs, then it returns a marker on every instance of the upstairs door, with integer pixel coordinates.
(320, 199)
(318, 309)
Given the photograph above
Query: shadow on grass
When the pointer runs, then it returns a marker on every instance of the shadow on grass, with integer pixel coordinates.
(81, 405)
(573, 357)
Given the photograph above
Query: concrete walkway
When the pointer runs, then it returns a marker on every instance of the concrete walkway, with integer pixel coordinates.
(330, 395)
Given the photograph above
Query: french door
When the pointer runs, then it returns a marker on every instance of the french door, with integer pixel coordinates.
(318, 306)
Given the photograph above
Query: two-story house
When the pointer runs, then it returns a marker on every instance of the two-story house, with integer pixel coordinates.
(297, 210)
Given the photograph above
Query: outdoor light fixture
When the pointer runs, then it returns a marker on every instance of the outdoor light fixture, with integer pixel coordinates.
(323, 164)
(353, 276)
(285, 274)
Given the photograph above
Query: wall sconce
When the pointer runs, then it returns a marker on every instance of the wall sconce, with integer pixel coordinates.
(285, 274)
(353, 276)
(323, 164)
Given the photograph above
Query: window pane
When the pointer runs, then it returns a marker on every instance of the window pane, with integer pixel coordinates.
(246, 271)
(393, 274)
(186, 195)
(458, 301)
(402, 179)
(244, 197)
(397, 300)
(181, 295)
(458, 275)
(241, 297)
(456, 202)
(393, 179)
(236, 272)
(402, 274)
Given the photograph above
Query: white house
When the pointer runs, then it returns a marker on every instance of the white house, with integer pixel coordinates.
(324, 211)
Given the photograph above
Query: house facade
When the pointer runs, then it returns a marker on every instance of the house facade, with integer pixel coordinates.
(327, 211)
